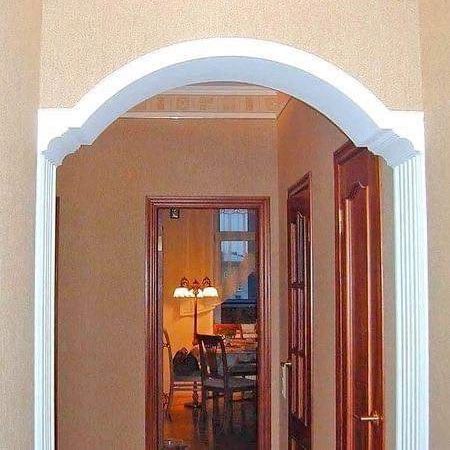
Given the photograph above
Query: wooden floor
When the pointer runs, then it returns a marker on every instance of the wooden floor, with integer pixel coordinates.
(187, 425)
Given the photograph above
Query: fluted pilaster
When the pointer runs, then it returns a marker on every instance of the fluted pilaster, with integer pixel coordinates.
(411, 305)
(45, 305)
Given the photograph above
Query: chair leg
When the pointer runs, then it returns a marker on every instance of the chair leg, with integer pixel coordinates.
(216, 412)
(203, 401)
(228, 410)
(195, 395)
(242, 406)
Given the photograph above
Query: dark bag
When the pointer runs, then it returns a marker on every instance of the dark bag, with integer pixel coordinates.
(185, 363)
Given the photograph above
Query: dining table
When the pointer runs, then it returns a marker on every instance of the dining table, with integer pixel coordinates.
(238, 351)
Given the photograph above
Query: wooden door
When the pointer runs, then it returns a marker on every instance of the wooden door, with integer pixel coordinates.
(359, 325)
(300, 315)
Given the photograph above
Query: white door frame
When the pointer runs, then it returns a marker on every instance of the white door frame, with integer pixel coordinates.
(397, 136)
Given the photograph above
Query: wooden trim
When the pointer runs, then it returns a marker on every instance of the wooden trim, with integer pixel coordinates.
(56, 325)
(340, 156)
(198, 115)
(301, 185)
(153, 376)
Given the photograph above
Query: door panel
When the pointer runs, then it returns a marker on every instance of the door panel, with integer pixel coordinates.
(300, 315)
(359, 301)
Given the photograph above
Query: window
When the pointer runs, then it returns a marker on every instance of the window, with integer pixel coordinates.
(236, 262)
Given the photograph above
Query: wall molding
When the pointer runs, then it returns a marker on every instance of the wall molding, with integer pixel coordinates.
(197, 115)
(222, 89)
(397, 136)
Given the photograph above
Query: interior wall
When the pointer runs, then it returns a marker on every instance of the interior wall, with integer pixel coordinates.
(435, 19)
(19, 92)
(306, 143)
(377, 41)
(102, 193)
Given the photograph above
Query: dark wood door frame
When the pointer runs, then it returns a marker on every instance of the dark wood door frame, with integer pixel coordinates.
(56, 327)
(302, 187)
(343, 354)
(153, 313)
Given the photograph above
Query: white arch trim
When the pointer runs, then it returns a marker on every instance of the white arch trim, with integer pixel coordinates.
(397, 136)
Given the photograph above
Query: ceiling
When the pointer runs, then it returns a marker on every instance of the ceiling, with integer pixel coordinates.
(213, 100)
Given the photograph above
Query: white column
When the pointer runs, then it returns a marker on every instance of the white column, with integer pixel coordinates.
(44, 418)
(411, 305)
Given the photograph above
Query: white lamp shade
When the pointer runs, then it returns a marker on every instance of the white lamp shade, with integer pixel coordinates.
(181, 292)
(210, 291)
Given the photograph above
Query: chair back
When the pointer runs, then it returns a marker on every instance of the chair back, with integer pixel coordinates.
(213, 357)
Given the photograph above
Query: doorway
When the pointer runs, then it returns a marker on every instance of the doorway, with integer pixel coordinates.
(161, 384)
(300, 314)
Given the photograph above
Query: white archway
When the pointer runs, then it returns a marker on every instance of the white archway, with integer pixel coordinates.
(397, 136)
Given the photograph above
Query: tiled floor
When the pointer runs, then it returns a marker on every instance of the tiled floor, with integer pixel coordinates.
(187, 425)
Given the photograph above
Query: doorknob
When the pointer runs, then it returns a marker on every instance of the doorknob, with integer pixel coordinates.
(374, 418)
(284, 367)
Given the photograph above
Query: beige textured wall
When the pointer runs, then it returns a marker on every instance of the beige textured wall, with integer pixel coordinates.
(19, 93)
(377, 41)
(306, 142)
(102, 254)
(435, 19)
(83, 41)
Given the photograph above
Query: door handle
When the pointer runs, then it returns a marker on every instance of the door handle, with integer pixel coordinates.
(374, 418)
(285, 365)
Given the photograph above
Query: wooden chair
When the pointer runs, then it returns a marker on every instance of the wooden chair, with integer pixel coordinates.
(215, 374)
(177, 383)
(168, 396)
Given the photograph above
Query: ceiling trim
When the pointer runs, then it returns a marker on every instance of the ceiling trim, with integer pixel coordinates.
(197, 115)
(225, 89)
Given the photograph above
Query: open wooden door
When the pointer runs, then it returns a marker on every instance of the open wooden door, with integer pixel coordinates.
(300, 315)
(359, 320)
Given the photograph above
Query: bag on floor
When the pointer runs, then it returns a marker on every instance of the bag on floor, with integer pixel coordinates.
(185, 363)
